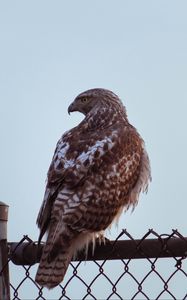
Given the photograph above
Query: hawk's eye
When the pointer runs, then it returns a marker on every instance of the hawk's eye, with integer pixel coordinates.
(84, 100)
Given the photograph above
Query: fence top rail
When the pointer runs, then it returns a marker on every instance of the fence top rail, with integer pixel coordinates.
(27, 252)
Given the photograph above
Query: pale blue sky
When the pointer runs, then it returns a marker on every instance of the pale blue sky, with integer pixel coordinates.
(51, 51)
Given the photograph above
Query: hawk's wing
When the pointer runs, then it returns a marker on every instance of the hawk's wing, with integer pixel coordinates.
(51, 192)
(73, 159)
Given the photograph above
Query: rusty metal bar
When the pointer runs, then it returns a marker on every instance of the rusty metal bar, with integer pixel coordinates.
(4, 274)
(30, 253)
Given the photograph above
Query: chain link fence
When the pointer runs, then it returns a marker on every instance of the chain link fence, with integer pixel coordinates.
(153, 267)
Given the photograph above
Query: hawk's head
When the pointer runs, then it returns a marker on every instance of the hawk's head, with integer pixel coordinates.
(90, 99)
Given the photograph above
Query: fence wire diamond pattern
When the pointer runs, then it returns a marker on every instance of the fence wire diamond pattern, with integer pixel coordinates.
(122, 269)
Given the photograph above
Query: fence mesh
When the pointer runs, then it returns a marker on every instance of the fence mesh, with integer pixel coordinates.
(116, 278)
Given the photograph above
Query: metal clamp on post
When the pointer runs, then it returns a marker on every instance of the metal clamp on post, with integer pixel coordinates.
(4, 270)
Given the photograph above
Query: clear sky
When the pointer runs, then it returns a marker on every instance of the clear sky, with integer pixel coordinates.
(51, 51)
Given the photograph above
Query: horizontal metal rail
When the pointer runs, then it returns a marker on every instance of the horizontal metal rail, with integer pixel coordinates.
(29, 253)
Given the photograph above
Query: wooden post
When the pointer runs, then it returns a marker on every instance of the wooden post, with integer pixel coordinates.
(4, 269)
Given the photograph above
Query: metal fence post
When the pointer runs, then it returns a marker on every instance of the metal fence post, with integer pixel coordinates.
(4, 270)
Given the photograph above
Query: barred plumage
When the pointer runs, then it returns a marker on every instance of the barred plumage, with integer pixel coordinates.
(98, 170)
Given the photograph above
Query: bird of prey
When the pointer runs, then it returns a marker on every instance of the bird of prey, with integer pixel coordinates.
(98, 170)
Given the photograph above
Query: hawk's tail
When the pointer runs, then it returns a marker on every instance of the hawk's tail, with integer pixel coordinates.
(51, 272)
(56, 256)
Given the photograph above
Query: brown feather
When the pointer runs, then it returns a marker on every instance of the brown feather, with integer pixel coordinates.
(97, 171)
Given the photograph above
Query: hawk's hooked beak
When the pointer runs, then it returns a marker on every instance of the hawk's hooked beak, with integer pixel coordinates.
(71, 108)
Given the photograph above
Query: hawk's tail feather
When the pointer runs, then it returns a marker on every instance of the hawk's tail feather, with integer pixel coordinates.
(51, 273)
(56, 256)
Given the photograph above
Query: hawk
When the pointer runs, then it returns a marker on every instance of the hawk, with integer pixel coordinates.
(98, 170)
